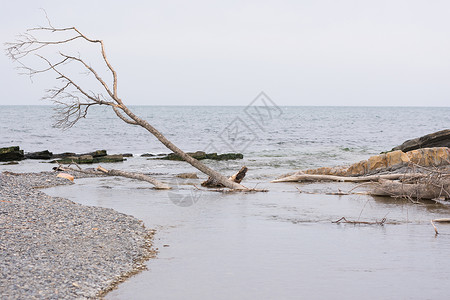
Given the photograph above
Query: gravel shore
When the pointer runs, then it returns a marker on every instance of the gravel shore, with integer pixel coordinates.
(54, 248)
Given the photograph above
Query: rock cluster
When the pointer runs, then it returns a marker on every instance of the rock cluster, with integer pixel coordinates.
(426, 157)
(90, 158)
(39, 155)
(203, 155)
(11, 154)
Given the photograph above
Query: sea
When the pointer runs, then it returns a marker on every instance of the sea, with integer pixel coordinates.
(282, 244)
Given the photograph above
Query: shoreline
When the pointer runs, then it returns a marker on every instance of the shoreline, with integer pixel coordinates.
(52, 247)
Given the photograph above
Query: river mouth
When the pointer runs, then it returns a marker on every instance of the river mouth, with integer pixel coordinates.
(281, 244)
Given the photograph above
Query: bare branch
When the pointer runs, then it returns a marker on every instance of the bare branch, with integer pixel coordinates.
(102, 82)
(70, 113)
(123, 118)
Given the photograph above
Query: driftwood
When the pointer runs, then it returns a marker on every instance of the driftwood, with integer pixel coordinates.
(299, 177)
(213, 183)
(344, 220)
(411, 190)
(158, 185)
(434, 226)
(433, 184)
(338, 193)
(232, 191)
(443, 220)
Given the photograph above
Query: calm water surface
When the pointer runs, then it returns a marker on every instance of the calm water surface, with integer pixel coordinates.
(276, 245)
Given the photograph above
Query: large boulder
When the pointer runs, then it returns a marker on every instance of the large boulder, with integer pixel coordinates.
(396, 158)
(436, 139)
(430, 157)
(376, 162)
(359, 168)
(11, 153)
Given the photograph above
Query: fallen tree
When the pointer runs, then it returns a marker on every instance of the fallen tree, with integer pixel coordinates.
(102, 171)
(414, 183)
(300, 176)
(73, 99)
(412, 190)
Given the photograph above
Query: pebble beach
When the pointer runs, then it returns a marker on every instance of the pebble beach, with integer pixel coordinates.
(53, 248)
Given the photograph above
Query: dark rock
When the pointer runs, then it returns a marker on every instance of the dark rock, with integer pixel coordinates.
(212, 156)
(436, 139)
(85, 159)
(188, 175)
(225, 156)
(88, 159)
(109, 158)
(67, 160)
(11, 153)
(147, 155)
(197, 155)
(228, 156)
(127, 155)
(202, 155)
(96, 153)
(39, 155)
(64, 155)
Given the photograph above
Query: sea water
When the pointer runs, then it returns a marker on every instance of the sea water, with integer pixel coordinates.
(282, 244)
(286, 138)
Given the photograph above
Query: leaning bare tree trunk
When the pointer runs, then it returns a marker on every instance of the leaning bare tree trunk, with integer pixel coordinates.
(226, 182)
(75, 99)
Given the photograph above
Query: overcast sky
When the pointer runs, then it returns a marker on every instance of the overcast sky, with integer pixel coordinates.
(312, 52)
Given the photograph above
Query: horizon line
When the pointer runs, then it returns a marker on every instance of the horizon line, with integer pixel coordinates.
(286, 105)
